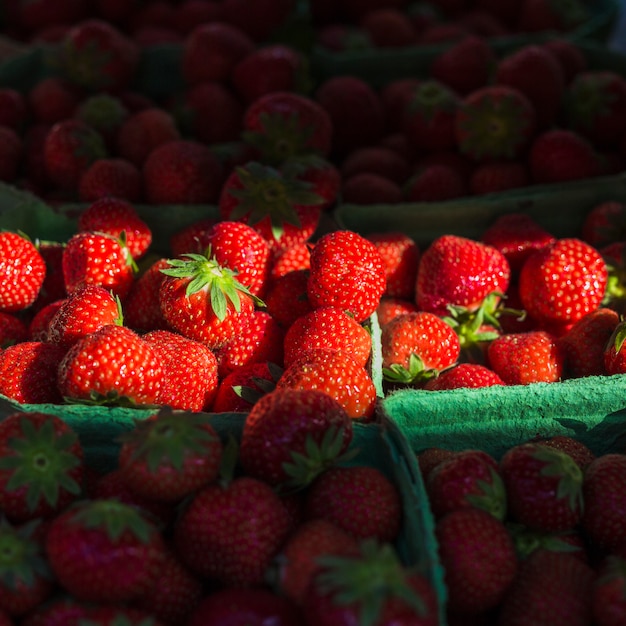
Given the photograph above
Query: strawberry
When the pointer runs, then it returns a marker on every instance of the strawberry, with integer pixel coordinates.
(506, 12)
(25, 579)
(544, 487)
(190, 13)
(372, 587)
(464, 376)
(376, 160)
(282, 125)
(239, 390)
(478, 555)
(95, 258)
(394, 96)
(563, 281)
(292, 259)
(569, 55)
(614, 352)
(585, 342)
(459, 271)
(170, 455)
(430, 457)
(203, 300)
(428, 117)
(279, 206)
(390, 307)
(608, 593)
(593, 102)
(116, 216)
(498, 176)
(70, 147)
(579, 451)
(125, 551)
(538, 75)
(368, 188)
(105, 113)
(526, 357)
(192, 238)
(231, 530)
(13, 108)
(53, 99)
(314, 429)
(22, 272)
(338, 375)
(190, 371)
(42, 467)
(131, 373)
(211, 50)
(605, 223)
(59, 610)
(417, 346)
(603, 517)
(551, 588)
(347, 272)
(330, 328)
(12, 330)
(286, 299)
(542, 15)
(182, 172)
(97, 56)
(38, 326)
(142, 306)
(111, 615)
(144, 131)
(494, 122)
(28, 372)
(259, 21)
(11, 151)
(323, 175)
(53, 287)
(111, 178)
(434, 183)
(560, 155)
(389, 27)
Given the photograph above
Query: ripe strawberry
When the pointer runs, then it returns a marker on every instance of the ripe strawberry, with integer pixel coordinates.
(182, 172)
(550, 589)
(190, 371)
(192, 238)
(131, 373)
(282, 125)
(203, 300)
(417, 346)
(380, 160)
(125, 551)
(560, 155)
(115, 216)
(53, 287)
(605, 223)
(40, 489)
(494, 122)
(368, 188)
(144, 131)
(538, 75)
(543, 486)
(11, 151)
(321, 174)
(608, 593)
(434, 183)
(22, 272)
(95, 258)
(390, 307)
(498, 176)
(13, 108)
(170, 455)
(526, 357)
(268, 68)
(389, 27)
(563, 281)
(464, 376)
(107, 178)
(260, 340)
(541, 15)
(330, 328)
(569, 55)
(292, 259)
(59, 610)
(259, 21)
(603, 520)
(142, 306)
(211, 50)
(430, 457)
(459, 271)
(12, 330)
(394, 95)
(578, 450)
(347, 272)
(585, 342)
(53, 99)
(239, 390)
(230, 531)
(286, 299)
(478, 555)
(338, 375)
(98, 56)
(28, 372)
(111, 615)
(70, 147)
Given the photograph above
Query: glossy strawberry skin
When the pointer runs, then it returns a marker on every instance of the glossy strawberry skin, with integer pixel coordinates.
(464, 376)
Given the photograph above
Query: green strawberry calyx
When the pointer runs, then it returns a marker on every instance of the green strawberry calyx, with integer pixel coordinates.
(170, 438)
(415, 373)
(268, 193)
(492, 495)
(431, 97)
(40, 463)
(119, 619)
(22, 561)
(589, 97)
(570, 477)
(368, 580)
(618, 337)
(205, 273)
(527, 540)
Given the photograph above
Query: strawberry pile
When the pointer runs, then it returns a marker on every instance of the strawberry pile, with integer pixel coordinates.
(536, 537)
(194, 527)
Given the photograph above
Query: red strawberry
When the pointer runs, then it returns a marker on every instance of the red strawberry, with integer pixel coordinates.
(379, 160)
(53, 287)
(117, 178)
(211, 50)
(28, 372)
(389, 27)
(22, 272)
(569, 55)
(434, 183)
(182, 172)
(53, 99)
(605, 223)
(191, 238)
(240, 389)
(609, 593)
(368, 188)
(543, 486)
(105, 113)
(13, 330)
(170, 455)
(417, 346)
(459, 271)
(130, 373)
(394, 95)
(560, 155)
(614, 351)
(526, 357)
(324, 177)
(494, 122)
(258, 21)
(142, 306)
(13, 108)
(478, 555)
(190, 371)
(346, 272)
(292, 259)
(125, 551)
(40, 489)
(313, 430)
(563, 281)
(286, 299)
(430, 457)
(96, 55)
(578, 450)
(464, 376)
(390, 307)
(542, 15)
(498, 176)
(57, 611)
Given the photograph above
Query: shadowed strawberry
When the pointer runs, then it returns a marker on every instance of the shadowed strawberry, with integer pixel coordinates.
(608, 595)
(528, 540)
(191, 238)
(260, 21)
(369, 188)
(142, 308)
(105, 113)
(106, 178)
(615, 351)
(569, 55)
(12, 330)
(11, 153)
(13, 108)
(605, 223)
(434, 183)
(543, 15)
(578, 450)
(464, 376)
(389, 27)
(498, 176)
(53, 99)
